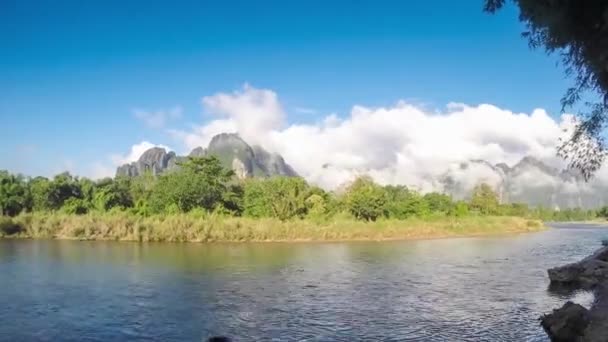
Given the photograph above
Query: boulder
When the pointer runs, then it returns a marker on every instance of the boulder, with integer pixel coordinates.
(584, 274)
(567, 323)
(573, 322)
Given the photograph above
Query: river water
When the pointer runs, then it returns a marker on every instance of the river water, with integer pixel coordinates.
(469, 289)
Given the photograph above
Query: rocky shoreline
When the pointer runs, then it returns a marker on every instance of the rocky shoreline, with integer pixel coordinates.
(573, 322)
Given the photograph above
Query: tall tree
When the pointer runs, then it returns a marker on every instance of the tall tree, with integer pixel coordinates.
(484, 199)
(61, 188)
(14, 195)
(365, 199)
(578, 31)
(280, 197)
(200, 182)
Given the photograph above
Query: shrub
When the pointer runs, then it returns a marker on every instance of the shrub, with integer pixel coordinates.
(9, 227)
(75, 205)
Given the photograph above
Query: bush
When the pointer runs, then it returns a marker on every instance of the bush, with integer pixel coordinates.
(75, 205)
(9, 227)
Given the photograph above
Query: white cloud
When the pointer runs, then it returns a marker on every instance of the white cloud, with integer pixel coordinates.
(403, 143)
(159, 118)
(136, 151)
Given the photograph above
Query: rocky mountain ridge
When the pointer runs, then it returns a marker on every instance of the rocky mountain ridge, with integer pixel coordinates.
(231, 150)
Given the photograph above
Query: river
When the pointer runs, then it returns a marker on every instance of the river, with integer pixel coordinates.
(468, 289)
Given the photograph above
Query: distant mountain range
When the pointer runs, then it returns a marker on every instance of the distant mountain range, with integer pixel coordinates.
(529, 181)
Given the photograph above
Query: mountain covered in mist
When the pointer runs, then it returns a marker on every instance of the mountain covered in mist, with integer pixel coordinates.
(529, 181)
(229, 148)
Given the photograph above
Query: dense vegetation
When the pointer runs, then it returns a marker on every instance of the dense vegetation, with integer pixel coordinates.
(202, 188)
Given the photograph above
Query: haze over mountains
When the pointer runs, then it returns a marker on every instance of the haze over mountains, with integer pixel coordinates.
(528, 181)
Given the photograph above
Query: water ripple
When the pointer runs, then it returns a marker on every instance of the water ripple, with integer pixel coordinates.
(482, 289)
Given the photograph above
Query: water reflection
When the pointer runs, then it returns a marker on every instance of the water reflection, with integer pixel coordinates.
(460, 289)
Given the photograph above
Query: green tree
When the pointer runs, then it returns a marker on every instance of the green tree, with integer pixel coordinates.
(40, 188)
(316, 205)
(402, 203)
(88, 189)
(200, 182)
(61, 188)
(365, 200)
(256, 202)
(14, 194)
(280, 197)
(460, 209)
(603, 212)
(439, 203)
(578, 32)
(517, 209)
(484, 199)
(113, 193)
(75, 206)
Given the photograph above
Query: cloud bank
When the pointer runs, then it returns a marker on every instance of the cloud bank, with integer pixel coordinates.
(403, 143)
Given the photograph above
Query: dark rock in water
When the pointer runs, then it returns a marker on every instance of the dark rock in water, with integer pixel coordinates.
(572, 322)
(605, 242)
(567, 323)
(585, 274)
(219, 339)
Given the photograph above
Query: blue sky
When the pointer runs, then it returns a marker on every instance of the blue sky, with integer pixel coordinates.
(73, 72)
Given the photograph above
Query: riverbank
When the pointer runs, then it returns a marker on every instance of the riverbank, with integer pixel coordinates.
(595, 222)
(192, 228)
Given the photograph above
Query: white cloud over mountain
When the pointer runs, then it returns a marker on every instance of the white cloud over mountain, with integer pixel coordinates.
(400, 144)
(403, 143)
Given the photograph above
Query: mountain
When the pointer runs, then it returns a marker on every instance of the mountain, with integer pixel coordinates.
(529, 181)
(155, 160)
(229, 148)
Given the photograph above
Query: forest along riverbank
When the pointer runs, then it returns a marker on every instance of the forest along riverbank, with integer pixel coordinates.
(193, 228)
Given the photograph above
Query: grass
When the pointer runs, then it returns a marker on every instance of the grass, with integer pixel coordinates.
(197, 228)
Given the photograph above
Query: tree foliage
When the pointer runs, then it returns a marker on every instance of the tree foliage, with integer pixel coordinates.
(199, 182)
(14, 195)
(484, 199)
(402, 203)
(281, 197)
(202, 186)
(577, 31)
(365, 199)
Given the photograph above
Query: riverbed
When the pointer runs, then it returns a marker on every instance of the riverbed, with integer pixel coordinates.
(465, 289)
